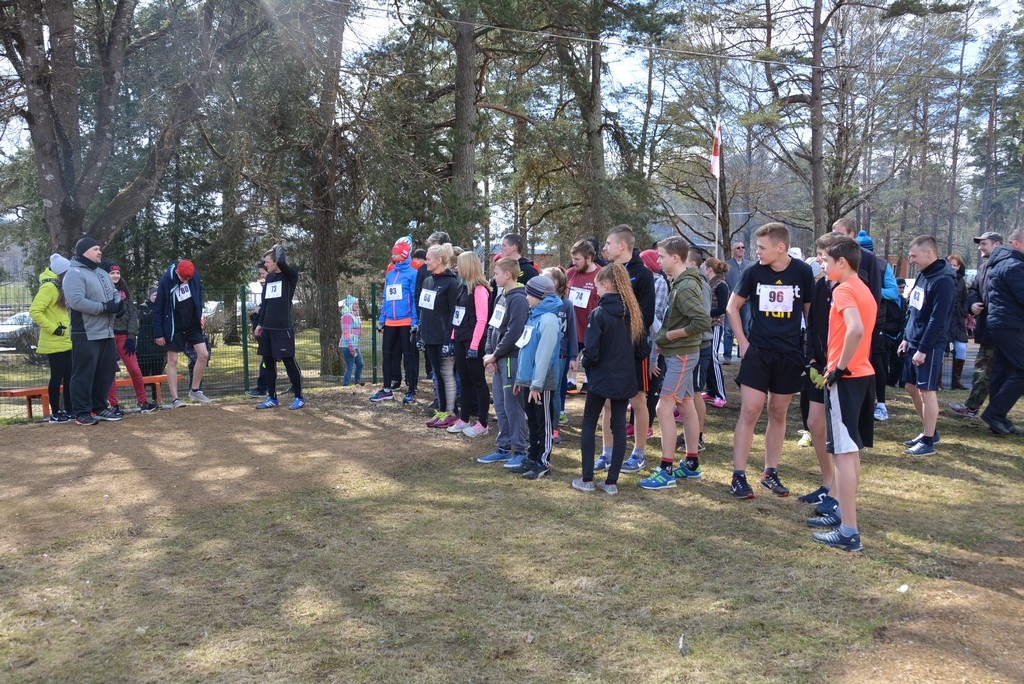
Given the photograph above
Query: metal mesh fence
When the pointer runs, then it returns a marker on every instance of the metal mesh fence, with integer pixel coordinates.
(233, 367)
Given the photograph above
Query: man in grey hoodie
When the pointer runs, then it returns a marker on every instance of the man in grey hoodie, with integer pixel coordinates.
(93, 302)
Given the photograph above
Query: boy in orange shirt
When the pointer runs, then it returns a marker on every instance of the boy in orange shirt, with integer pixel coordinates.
(849, 385)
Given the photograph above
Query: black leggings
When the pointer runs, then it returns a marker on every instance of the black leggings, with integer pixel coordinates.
(60, 374)
(588, 438)
(474, 382)
(294, 375)
(396, 347)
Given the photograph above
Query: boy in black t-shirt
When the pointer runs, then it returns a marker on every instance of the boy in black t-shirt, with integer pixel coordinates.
(779, 290)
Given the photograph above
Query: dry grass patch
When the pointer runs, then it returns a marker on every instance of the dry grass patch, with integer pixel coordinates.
(348, 542)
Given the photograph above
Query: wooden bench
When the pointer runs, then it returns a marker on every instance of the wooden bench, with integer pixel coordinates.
(152, 382)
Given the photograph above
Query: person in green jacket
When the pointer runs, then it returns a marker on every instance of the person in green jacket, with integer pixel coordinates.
(50, 312)
(686, 321)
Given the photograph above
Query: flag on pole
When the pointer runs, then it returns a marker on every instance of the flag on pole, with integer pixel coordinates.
(716, 151)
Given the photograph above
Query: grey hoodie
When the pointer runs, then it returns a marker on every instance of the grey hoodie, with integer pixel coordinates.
(87, 288)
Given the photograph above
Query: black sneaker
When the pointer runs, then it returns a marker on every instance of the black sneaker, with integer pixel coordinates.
(108, 414)
(538, 471)
(116, 410)
(58, 417)
(815, 497)
(771, 481)
(700, 444)
(87, 419)
(920, 449)
(146, 407)
(839, 541)
(255, 394)
(526, 466)
(828, 505)
(830, 520)
(740, 489)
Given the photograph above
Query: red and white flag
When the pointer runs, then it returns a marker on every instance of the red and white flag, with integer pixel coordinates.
(716, 152)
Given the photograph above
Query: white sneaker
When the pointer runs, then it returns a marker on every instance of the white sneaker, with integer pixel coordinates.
(458, 426)
(197, 395)
(881, 412)
(475, 430)
(805, 439)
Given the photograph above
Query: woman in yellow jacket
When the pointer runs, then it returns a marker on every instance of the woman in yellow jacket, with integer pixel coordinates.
(50, 312)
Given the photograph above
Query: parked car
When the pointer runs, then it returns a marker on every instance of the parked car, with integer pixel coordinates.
(16, 327)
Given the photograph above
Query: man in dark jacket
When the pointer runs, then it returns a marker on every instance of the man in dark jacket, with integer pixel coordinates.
(178, 321)
(1005, 314)
(930, 303)
(976, 297)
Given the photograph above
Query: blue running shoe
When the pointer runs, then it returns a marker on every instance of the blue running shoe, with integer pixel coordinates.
(602, 462)
(740, 489)
(920, 449)
(517, 460)
(495, 457)
(825, 521)
(268, 403)
(634, 464)
(828, 505)
(660, 479)
(297, 403)
(684, 473)
(836, 539)
(815, 497)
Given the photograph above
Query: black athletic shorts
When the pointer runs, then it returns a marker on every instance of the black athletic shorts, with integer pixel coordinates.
(190, 336)
(770, 371)
(850, 413)
(277, 344)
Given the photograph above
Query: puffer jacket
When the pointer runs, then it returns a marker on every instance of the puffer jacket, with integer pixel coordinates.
(538, 358)
(49, 315)
(607, 350)
(400, 311)
(1004, 286)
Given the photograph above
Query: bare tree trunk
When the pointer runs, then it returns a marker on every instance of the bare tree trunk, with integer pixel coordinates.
(464, 154)
(324, 195)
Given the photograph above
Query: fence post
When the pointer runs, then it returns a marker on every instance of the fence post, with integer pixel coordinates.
(373, 328)
(242, 292)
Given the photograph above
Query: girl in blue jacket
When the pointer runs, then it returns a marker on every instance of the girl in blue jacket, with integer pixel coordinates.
(399, 321)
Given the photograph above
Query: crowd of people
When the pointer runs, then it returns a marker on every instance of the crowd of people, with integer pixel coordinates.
(89, 324)
(837, 329)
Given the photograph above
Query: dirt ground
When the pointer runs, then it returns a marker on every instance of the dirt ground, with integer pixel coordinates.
(63, 481)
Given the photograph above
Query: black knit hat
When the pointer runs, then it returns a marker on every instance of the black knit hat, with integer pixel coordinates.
(84, 245)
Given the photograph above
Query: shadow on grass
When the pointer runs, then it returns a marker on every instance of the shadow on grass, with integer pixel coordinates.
(310, 546)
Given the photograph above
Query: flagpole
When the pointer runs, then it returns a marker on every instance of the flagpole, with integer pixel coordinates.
(716, 171)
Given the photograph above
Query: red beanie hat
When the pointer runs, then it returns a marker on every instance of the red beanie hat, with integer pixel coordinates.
(403, 247)
(650, 259)
(186, 269)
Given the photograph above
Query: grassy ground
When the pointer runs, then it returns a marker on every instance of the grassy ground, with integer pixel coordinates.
(351, 543)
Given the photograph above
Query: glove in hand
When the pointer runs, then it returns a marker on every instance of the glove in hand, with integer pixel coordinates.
(112, 306)
(420, 344)
(380, 327)
(447, 350)
(61, 329)
(834, 375)
(817, 378)
(129, 347)
(472, 353)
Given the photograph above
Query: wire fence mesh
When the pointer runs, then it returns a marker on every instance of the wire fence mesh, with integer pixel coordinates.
(234, 362)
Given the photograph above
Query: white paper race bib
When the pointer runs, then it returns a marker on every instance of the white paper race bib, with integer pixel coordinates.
(427, 299)
(776, 298)
(579, 297)
(393, 293)
(524, 339)
(184, 292)
(917, 298)
(274, 290)
(497, 317)
(460, 313)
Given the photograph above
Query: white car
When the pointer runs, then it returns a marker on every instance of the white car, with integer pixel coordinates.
(17, 327)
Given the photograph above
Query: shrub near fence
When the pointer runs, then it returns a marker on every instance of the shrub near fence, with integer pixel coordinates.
(233, 368)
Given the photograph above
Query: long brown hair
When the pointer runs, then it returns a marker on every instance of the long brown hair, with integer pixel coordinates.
(616, 279)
